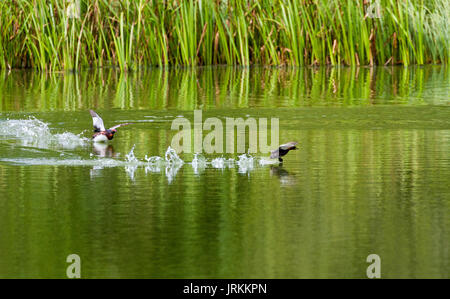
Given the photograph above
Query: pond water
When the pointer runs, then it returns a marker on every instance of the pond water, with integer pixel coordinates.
(371, 175)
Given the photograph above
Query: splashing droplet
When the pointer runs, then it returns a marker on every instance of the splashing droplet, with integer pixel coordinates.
(245, 163)
(199, 163)
(36, 133)
(172, 157)
(130, 157)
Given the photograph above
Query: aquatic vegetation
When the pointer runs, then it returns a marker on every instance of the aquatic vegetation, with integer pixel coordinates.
(130, 34)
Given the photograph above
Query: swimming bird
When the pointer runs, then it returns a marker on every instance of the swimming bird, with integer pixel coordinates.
(283, 150)
(100, 133)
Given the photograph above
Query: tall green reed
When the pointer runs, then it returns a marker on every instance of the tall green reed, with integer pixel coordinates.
(132, 34)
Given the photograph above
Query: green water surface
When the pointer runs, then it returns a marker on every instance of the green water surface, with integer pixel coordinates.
(371, 175)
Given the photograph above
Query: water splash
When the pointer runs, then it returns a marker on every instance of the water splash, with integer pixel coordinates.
(131, 158)
(154, 159)
(245, 163)
(171, 171)
(69, 140)
(155, 168)
(265, 161)
(172, 157)
(174, 163)
(153, 164)
(36, 133)
(199, 163)
(170, 163)
(218, 163)
(222, 163)
(131, 170)
(132, 163)
(32, 132)
(97, 163)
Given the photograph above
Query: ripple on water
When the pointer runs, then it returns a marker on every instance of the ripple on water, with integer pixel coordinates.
(33, 132)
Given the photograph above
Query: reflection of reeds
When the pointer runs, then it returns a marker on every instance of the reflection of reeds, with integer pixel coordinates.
(222, 88)
(129, 34)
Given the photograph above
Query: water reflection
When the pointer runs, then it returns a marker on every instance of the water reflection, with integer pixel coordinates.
(278, 171)
(283, 175)
(371, 176)
(220, 87)
(103, 150)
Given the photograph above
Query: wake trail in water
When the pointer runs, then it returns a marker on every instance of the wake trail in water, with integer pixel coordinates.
(170, 163)
(36, 133)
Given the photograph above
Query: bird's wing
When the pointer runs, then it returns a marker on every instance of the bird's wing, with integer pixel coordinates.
(97, 121)
(274, 154)
(288, 145)
(120, 125)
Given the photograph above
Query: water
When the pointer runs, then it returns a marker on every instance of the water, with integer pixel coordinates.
(371, 174)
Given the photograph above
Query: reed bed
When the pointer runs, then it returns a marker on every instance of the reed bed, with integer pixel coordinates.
(69, 34)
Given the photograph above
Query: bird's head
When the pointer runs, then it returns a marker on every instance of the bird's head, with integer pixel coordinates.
(110, 133)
